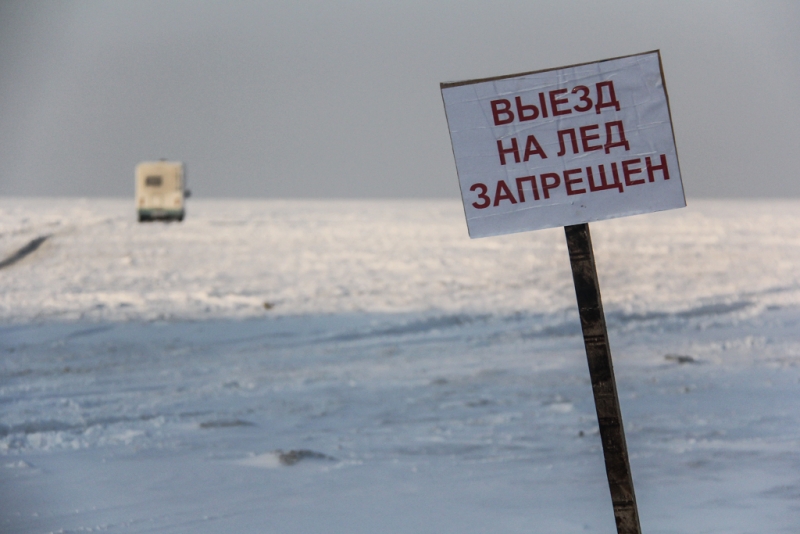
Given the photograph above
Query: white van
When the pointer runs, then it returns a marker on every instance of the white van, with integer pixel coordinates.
(160, 190)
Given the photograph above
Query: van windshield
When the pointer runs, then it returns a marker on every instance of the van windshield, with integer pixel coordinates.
(153, 181)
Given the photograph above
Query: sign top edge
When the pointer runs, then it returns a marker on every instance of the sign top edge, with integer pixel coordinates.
(448, 85)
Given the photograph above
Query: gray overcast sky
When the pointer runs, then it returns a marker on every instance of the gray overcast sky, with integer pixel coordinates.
(341, 99)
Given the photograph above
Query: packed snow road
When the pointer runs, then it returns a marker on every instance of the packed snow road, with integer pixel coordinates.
(399, 378)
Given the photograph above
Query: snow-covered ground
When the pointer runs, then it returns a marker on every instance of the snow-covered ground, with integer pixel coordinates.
(362, 366)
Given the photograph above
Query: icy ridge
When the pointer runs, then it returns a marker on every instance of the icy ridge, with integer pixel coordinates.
(245, 259)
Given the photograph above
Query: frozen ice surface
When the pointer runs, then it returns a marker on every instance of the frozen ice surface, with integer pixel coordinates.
(402, 378)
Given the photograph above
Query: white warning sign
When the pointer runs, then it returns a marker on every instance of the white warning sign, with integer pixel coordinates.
(564, 146)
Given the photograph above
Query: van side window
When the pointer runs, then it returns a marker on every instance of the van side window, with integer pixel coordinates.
(153, 181)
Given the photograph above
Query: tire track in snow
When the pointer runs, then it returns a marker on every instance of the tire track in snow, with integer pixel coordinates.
(28, 249)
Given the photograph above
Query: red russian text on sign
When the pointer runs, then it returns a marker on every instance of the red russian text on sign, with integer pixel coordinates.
(560, 103)
(617, 176)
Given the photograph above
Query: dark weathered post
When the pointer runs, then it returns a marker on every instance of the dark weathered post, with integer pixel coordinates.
(606, 401)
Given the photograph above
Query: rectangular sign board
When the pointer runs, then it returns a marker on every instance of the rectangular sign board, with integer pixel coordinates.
(564, 146)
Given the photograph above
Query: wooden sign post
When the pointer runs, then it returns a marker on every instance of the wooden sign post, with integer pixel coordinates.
(564, 147)
(601, 371)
